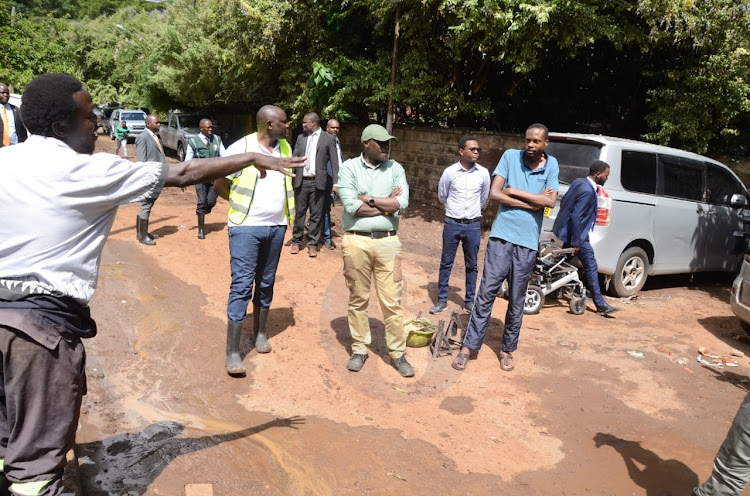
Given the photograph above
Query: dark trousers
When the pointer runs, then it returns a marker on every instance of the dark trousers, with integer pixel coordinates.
(469, 235)
(254, 253)
(732, 463)
(306, 197)
(146, 208)
(327, 204)
(503, 260)
(591, 272)
(40, 402)
(206, 198)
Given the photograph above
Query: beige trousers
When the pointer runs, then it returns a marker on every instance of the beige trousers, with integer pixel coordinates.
(364, 258)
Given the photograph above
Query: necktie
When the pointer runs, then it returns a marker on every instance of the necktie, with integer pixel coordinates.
(6, 131)
(158, 143)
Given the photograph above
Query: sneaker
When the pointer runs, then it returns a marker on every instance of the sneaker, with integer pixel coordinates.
(356, 362)
(606, 310)
(469, 307)
(403, 366)
(330, 245)
(439, 307)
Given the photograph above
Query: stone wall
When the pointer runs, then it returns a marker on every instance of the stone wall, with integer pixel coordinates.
(426, 152)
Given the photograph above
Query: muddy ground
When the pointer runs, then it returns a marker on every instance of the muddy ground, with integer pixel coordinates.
(579, 415)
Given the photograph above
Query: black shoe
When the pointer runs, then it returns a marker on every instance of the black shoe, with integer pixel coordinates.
(469, 307)
(403, 366)
(439, 307)
(606, 310)
(330, 245)
(356, 362)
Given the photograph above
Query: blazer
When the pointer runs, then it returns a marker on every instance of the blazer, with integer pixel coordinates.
(146, 148)
(20, 130)
(577, 213)
(325, 152)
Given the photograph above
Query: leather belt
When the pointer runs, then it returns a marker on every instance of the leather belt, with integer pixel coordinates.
(465, 221)
(374, 234)
(308, 178)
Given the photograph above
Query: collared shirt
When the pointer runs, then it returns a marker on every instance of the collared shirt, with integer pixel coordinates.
(464, 192)
(311, 152)
(190, 153)
(58, 207)
(267, 208)
(357, 177)
(518, 225)
(593, 185)
(11, 124)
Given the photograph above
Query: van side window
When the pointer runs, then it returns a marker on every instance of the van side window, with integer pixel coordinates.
(638, 172)
(721, 185)
(681, 178)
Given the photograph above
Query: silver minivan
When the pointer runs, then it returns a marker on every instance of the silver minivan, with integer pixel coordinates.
(670, 210)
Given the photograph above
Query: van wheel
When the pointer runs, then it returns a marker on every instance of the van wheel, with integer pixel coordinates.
(631, 272)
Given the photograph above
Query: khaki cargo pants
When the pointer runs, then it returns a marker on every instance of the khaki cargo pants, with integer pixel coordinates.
(364, 258)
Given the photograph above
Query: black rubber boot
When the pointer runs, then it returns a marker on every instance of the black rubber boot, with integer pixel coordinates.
(260, 315)
(138, 227)
(143, 236)
(201, 220)
(233, 360)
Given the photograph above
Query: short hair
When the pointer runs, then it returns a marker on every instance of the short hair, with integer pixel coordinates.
(312, 116)
(464, 139)
(537, 125)
(266, 114)
(47, 99)
(597, 167)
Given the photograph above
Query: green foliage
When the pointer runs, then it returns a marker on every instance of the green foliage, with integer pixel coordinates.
(672, 71)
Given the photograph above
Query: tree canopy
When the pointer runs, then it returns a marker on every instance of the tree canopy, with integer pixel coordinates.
(675, 72)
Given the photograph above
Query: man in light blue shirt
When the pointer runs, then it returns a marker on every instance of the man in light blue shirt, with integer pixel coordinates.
(464, 188)
(525, 182)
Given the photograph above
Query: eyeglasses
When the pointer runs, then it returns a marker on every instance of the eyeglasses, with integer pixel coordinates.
(475, 150)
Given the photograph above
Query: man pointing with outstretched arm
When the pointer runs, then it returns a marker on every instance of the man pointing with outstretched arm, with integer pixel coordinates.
(59, 201)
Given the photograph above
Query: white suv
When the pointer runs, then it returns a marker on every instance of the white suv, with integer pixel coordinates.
(671, 209)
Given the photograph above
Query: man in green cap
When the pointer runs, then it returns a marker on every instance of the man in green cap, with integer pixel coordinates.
(374, 191)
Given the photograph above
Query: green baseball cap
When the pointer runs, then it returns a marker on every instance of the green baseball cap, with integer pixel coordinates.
(376, 132)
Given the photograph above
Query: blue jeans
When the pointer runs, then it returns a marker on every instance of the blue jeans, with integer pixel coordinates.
(254, 253)
(503, 260)
(469, 235)
(591, 272)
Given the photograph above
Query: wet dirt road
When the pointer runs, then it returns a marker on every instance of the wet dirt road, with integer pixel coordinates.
(579, 415)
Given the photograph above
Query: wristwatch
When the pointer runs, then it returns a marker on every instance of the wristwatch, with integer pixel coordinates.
(371, 201)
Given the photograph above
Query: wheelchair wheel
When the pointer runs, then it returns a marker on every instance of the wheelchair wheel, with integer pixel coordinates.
(577, 305)
(534, 300)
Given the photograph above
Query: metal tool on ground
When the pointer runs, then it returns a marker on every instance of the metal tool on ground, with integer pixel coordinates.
(448, 339)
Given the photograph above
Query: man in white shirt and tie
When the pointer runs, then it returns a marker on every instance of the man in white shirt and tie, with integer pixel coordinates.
(205, 145)
(148, 149)
(12, 131)
(310, 185)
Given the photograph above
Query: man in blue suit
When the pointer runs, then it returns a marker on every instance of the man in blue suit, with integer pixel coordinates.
(574, 222)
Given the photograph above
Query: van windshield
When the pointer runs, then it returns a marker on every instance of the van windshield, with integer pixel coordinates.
(132, 116)
(574, 158)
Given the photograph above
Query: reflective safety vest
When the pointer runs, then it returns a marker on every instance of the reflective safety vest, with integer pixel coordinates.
(242, 189)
